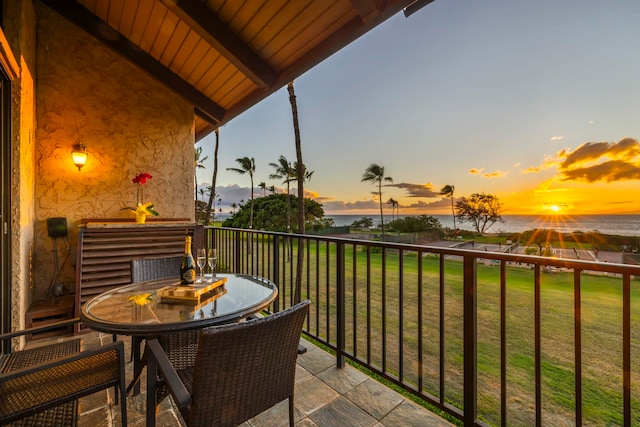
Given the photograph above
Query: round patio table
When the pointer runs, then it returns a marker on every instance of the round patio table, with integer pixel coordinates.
(128, 310)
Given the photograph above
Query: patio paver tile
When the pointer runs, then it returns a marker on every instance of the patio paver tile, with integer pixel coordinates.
(374, 398)
(408, 414)
(342, 380)
(342, 413)
(316, 360)
(312, 394)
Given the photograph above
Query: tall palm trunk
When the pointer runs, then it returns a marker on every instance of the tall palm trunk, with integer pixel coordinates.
(213, 179)
(381, 214)
(300, 178)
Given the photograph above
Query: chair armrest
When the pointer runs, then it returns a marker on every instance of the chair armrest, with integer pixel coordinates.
(172, 380)
(9, 335)
(50, 364)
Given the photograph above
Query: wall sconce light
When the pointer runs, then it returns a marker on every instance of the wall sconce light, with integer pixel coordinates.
(79, 155)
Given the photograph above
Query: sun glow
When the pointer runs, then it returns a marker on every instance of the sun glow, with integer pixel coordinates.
(554, 208)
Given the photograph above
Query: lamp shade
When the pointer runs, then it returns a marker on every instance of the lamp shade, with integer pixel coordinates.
(79, 155)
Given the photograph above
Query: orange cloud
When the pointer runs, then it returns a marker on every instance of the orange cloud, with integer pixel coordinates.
(475, 171)
(596, 161)
(495, 174)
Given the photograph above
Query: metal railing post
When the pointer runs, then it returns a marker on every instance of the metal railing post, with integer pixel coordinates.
(236, 261)
(470, 317)
(340, 304)
(276, 270)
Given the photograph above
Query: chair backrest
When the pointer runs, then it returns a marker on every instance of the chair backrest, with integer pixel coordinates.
(245, 368)
(154, 268)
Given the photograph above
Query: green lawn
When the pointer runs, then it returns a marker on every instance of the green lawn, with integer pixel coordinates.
(601, 332)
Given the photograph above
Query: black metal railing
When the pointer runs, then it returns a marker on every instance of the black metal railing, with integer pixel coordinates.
(490, 338)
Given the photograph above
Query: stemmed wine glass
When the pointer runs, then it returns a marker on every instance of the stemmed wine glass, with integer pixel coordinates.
(201, 260)
(212, 260)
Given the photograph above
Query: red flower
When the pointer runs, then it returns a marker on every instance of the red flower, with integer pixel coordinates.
(141, 178)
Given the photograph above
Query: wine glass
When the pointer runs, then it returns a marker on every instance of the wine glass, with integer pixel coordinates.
(201, 260)
(213, 260)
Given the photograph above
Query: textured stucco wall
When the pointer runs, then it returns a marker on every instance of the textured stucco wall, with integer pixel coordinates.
(129, 123)
(19, 25)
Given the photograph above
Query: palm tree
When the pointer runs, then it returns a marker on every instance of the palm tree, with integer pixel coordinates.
(284, 171)
(198, 163)
(272, 189)
(263, 186)
(300, 177)
(213, 179)
(375, 174)
(247, 166)
(306, 174)
(447, 191)
(394, 205)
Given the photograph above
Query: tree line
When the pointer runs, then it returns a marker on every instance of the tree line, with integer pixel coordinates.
(480, 209)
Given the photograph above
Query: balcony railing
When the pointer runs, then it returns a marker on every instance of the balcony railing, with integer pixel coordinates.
(490, 338)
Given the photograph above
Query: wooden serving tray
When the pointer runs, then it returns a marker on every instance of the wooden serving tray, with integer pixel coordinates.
(190, 292)
(193, 305)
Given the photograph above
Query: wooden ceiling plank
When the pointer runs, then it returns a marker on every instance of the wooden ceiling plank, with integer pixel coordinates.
(82, 18)
(175, 42)
(245, 14)
(296, 37)
(314, 33)
(213, 72)
(199, 54)
(200, 70)
(114, 15)
(261, 20)
(286, 17)
(152, 29)
(168, 27)
(236, 78)
(186, 50)
(239, 91)
(218, 35)
(140, 22)
(129, 13)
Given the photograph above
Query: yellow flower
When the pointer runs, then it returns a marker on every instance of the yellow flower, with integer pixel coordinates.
(141, 299)
(147, 208)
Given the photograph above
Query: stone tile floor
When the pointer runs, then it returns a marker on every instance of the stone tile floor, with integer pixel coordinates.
(325, 396)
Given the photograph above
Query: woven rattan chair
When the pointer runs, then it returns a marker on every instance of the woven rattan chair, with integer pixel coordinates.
(40, 386)
(154, 268)
(151, 269)
(180, 346)
(241, 369)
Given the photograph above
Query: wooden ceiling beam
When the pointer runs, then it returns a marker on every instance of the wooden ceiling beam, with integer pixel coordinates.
(200, 18)
(81, 17)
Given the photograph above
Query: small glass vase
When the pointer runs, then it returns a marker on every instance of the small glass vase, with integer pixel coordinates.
(141, 217)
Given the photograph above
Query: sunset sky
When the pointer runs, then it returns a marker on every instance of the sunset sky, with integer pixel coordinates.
(535, 102)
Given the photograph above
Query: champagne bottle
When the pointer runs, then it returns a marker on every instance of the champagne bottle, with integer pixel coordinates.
(187, 266)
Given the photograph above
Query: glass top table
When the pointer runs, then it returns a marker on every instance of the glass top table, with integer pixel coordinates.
(139, 310)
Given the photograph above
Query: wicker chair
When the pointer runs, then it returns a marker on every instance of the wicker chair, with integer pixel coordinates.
(180, 345)
(154, 268)
(241, 369)
(151, 269)
(40, 386)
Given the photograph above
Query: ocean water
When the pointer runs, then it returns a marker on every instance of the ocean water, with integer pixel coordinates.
(622, 225)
